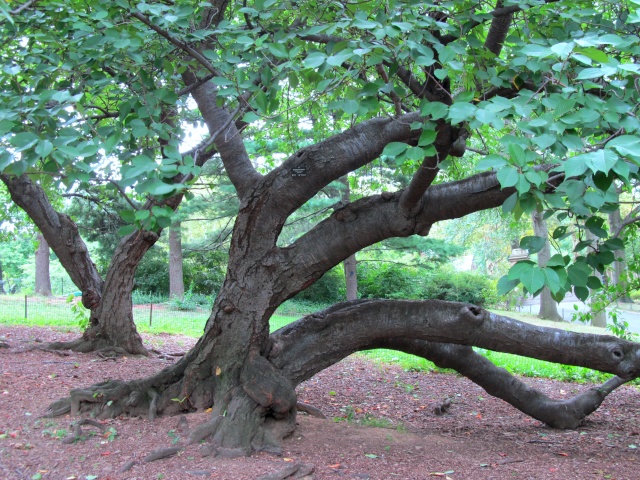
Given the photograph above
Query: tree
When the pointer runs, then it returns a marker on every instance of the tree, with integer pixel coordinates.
(350, 264)
(548, 306)
(176, 280)
(412, 84)
(43, 279)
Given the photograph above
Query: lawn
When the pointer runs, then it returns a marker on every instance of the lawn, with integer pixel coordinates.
(162, 318)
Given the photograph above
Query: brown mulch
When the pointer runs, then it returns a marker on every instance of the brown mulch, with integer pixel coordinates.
(381, 425)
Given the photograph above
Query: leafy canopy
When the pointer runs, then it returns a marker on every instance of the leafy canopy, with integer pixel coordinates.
(93, 92)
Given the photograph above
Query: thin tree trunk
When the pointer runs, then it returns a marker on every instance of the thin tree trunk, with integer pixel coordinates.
(548, 306)
(598, 315)
(350, 263)
(43, 279)
(2, 290)
(351, 277)
(176, 278)
(619, 272)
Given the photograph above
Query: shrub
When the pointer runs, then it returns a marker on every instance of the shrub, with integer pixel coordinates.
(464, 287)
(383, 280)
(152, 274)
(327, 289)
(204, 271)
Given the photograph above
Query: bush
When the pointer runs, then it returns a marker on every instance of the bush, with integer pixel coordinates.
(383, 280)
(327, 289)
(204, 271)
(152, 275)
(460, 287)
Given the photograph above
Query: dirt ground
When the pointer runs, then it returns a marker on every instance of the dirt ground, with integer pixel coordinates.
(381, 425)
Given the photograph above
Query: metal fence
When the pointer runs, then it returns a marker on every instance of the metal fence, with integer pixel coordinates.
(154, 318)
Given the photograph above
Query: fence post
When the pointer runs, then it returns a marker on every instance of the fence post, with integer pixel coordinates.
(150, 313)
(25, 307)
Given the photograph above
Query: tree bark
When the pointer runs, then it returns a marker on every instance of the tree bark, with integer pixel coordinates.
(2, 290)
(176, 279)
(598, 314)
(350, 263)
(548, 306)
(619, 272)
(43, 278)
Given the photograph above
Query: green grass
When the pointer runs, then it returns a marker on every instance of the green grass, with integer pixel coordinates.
(56, 312)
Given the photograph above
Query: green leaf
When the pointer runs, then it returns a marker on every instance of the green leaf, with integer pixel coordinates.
(427, 137)
(575, 166)
(508, 176)
(520, 268)
(533, 279)
(556, 260)
(435, 110)
(505, 285)
(552, 280)
(594, 283)
(128, 216)
(314, 59)
(339, 58)
(581, 292)
(461, 112)
(491, 161)
(126, 230)
(578, 274)
(23, 140)
(613, 244)
(590, 73)
(415, 153)
(627, 146)
(141, 215)
(594, 224)
(394, 149)
(533, 244)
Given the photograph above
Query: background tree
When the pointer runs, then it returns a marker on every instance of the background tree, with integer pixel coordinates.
(43, 279)
(548, 306)
(176, 280)
(412, 84)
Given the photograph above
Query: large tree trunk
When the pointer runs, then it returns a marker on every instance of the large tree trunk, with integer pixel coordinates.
(111, 319)
(111, 326)
(43, 279)
(548, 306)
(176, 278)
(111, 322)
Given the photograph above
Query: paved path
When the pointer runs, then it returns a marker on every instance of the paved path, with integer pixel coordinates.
(566, 309)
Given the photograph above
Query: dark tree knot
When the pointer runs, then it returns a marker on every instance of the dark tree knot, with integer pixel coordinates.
(473, 313)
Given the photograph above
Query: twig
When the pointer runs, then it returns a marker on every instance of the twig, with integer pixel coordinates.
(183, 46)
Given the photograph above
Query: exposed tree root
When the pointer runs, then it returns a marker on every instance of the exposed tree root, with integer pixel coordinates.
(82, 345)
(294, 470)
(310, 410)
(77, 429)
(161, 453)
(253, 399)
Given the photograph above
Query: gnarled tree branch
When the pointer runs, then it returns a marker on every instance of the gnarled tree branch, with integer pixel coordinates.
(61, 234)
(316, 341)
(226, 137)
